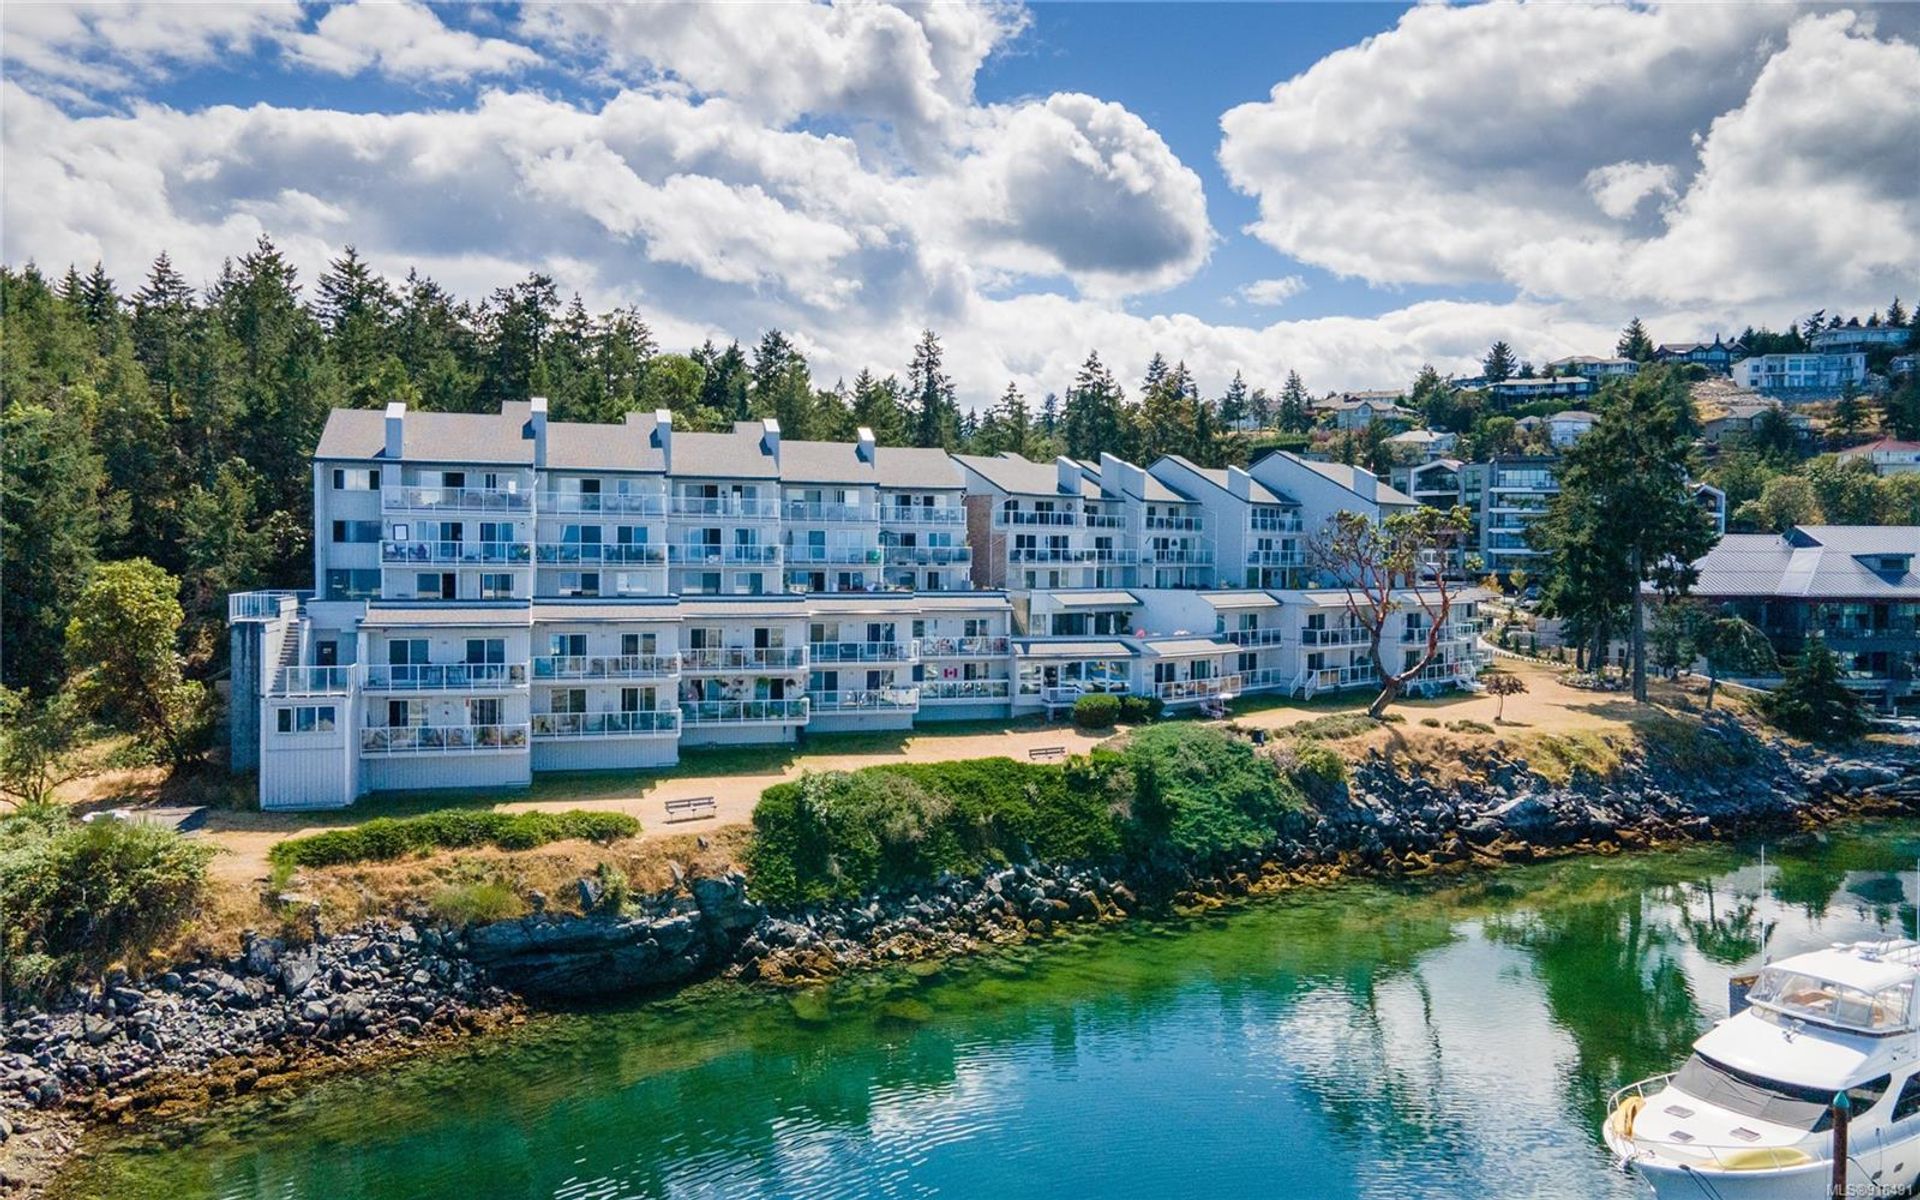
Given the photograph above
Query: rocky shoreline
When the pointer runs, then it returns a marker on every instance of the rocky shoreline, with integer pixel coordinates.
(281, 1011)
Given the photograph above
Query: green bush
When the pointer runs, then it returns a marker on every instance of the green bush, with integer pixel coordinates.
(841, 834)
(1313, 767)
(79, 897)
(1201, 792)
(1333, 726)
(1097, 710)
(476, 903)
(1469, 725)
(386, 838)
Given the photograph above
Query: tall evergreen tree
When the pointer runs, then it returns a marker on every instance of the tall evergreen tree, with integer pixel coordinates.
(1093, 417)
(930, 396)
(1296, 415)
(1634, 343)
(876, 406)
(1499, 363)
(1235, 403)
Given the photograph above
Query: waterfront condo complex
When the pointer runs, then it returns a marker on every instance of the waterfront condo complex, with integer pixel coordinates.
(501, 594)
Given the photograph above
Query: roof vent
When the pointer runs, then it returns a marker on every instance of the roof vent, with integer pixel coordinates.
(866, 446)
(537, 429)
(770, 439)
(396, 430)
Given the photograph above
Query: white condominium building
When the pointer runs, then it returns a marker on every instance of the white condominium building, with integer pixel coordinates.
(500, 594)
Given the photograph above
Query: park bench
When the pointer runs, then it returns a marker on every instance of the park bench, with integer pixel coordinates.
(690, 809)
(1047, 753)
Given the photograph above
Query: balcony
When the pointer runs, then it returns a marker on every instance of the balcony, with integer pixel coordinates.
(949, 691)
(606, 666)
(1276, 558)
(685, 554)
(1065, 695)
(599, 554)
(963, 647)
(743, 712)
(1045, 554)
(850, 555)
(1272, 635)
(264, 606)
(657, 723)
(1175, 524)
(1339, 635)
(624, 504)
(312, 681)
(921, 514)
(445, 677)
(415, 498)
(1186, 691)
(929, 555)
(1458, 631)
(816, 512)
(905, 699)
(744, 660)
(443, 739)
(1287, 523)
(741, 507)
(456, 553)
(1018, 518)
(862, 652)
(1105, 520)
(1175, 556)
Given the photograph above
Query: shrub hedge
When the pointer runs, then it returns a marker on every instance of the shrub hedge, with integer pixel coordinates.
(1097, 710)
(1192, 790)
(386, 838)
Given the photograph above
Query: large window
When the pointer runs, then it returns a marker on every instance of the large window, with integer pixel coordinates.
(307, 718)
(356, 532)
(353, 585)
(1798, 994)
(356, 479)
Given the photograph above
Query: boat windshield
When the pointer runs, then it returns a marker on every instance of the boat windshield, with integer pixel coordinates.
(1770, 1100)
(1798, 994)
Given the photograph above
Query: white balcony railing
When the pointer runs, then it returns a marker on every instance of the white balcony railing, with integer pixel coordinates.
(1289, 523)
(442, 739)
(457, 553)
(1184, 691)
(902, 699)
(625, 504)
(1338, 635)
(1175, 524)
(1066, 694)
(821, 513)
(445, 677)
(1174, 556)
(929, 555)
(862, 652)
(1022, 518)
(600, 554)
(703, 555)
(1275, 558)
(943, 691)
(832, 554)
(312, 681)
(606, 666)
(743, 712)
(921, 514)
(1105, 520)
(655, 723)
(743, 507)
(265, 605)
(1271, 635)
(419, 498)
(963, 647)
(744, 659)
(1045, 554)
(1454, 631)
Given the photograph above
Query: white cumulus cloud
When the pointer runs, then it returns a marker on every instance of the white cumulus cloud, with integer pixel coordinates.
(1272, 293)
(404, 40)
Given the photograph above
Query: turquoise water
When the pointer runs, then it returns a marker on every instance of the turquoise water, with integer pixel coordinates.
(1449, 1039)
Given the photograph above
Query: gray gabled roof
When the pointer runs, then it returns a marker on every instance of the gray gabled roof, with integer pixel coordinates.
(1348, 478)
(1019, 476)
(740, 453)
(1257, 492)
(1813, 562)
(498, 438)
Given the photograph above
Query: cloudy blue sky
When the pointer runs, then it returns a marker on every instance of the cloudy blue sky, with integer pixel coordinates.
(1344, 190)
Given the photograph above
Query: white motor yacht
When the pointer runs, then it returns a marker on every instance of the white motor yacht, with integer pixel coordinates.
(1750, 1116)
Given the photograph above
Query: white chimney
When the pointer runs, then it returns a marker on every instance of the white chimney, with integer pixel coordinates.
(1066, 473)
(537, 427)
(1366, 483)
(865, 437)
(1118, 477)
(770, 438)
(1239, 483)
(396, 429)
(663, 436)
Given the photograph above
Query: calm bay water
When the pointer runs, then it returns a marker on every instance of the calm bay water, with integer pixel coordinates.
(1439, 1040)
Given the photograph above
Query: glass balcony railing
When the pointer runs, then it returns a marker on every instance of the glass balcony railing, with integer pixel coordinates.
(444, 677)
(929, 555)
(644, 504)
(861, 652)
(606, 666)
(655, 723)
(1021, 518)
(1270, 636)
(1180, 691)
(744, 507)
(921, 514)
(419, 498)
(434, 552)
(904, 699)
(826, 513)
(936, 691)
(962, 647)
(743, 712)
(312, 681)
(596, 553)
(832, 554)
(1170, 556)
(1275, 558)
(1175, 524)
(704, 555)
(1278, 523)
(1336, 636)
(442, 739)
(744, 659)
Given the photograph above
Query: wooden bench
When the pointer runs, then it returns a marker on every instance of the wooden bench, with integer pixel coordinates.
(1047, 753)
(690, 809)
